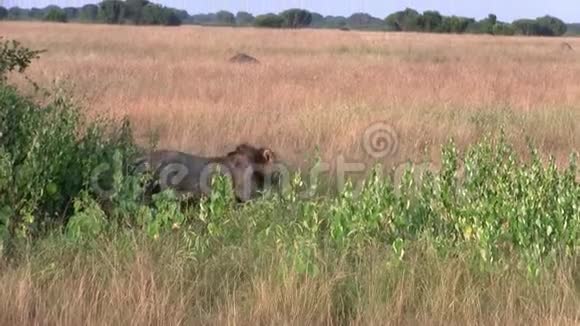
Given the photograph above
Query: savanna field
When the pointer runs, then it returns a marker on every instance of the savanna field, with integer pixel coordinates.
(491, 235)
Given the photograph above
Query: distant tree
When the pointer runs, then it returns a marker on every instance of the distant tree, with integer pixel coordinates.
(225, 18)
(551, 26)
(37, 13)
(152, 14)
(503, 29)
(362, 20)
(89, 13)
(3, 13)
(269, 20)
(455, 24)
(317, 20)
(55, 15)
(71, 13)
(431, 21)
(407, 20)
(244, 18)
(573, 29)
(335, 21)
(16, 13)
(171, 18)
(204, 19)
(112, 11)
(526, 27)
(296, 18)
(182, 15)
(134, 10)
(486, 26)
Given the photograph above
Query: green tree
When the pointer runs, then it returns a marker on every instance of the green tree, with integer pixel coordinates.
(89, 13)
(296, 18)
(171, 17)
(526, 27)
(153, 14)
(244, 18)
(406, 20)
(317, 20)
(134, 9)
(204, 19)
(71, 13)
(16, 13)
(225, 18)
(269, 20)
(182, 15)
(37, 13)
(455, 24)
(431, 22)
(3, 13)
(364, 21)
(551, 26)
(335, 21)
(487, 25)
(112, 11)
(55, 15)
(503, 29)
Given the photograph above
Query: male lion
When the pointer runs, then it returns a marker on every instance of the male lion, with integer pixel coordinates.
(250, 169)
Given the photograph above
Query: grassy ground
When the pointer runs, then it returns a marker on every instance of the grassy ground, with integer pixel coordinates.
(140, 282)
(499, 246)
(316, 88)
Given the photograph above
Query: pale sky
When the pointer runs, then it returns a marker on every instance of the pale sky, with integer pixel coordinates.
(507, 10)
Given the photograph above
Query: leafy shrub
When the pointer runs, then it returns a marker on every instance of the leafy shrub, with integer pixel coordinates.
(13, 56)
(49, 154)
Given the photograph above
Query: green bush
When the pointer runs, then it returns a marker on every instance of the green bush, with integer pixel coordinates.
(49, 154)
(13, 57)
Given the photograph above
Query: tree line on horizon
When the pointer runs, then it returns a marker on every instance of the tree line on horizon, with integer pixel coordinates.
(144, 12)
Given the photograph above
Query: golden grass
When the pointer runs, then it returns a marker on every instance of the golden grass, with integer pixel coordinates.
(316, 88)
(157, 284)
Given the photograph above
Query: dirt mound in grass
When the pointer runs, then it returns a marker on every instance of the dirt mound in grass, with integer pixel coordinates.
(243, 58)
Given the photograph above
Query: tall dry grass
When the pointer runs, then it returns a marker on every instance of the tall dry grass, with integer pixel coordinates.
(316, 88)
(146, 283)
